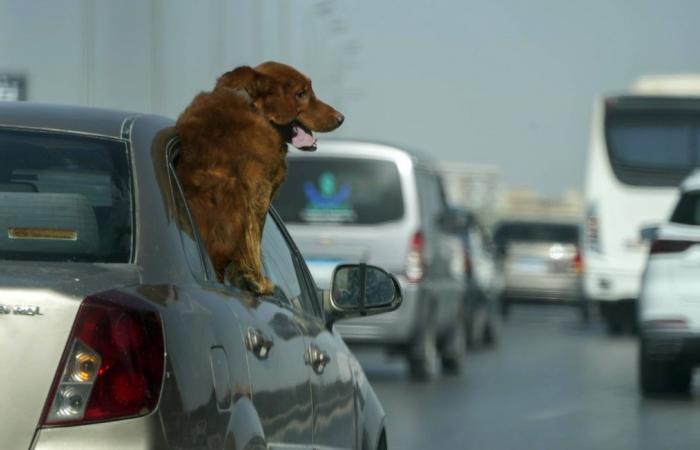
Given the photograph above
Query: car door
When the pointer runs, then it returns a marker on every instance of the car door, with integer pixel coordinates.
(327, 358)
(444, 270)
(277, 351)
(274, 346)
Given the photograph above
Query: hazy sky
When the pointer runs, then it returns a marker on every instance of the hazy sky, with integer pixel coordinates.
(507, 82)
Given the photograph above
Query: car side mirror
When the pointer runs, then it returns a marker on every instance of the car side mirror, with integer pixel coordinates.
(360, 290)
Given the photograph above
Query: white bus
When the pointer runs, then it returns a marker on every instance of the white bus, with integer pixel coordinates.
(642, 144)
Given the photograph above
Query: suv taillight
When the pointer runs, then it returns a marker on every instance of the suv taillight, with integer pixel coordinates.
(414, 261)
(669, 246)
(113, 364)
(577, 262)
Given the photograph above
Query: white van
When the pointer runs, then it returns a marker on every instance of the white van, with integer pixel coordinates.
(372, 203)
(642, 144)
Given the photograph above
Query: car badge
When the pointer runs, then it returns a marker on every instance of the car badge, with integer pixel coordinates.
(20, 310)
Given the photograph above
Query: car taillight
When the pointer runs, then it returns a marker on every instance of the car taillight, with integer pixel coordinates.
(113, 364)
(577, 262)
(669, 246)
(414, 261)
(467, 262)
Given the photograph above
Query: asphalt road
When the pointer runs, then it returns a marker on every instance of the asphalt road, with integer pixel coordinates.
(550, 384)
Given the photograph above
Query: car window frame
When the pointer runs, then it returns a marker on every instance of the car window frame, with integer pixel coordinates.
(172, 149)
(306, 283)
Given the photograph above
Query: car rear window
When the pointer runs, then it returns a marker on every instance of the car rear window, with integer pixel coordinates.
(340, 190)
(687, 211)
(64, 197)
(536, 232)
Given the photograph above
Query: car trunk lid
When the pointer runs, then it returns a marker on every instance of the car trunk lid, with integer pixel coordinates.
(39, 303)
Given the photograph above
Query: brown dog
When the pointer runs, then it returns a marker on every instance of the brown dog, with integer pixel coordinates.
(232, 160)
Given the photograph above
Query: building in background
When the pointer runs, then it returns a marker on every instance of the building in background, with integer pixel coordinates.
(480, 188)
(526, 204)
(476, 187)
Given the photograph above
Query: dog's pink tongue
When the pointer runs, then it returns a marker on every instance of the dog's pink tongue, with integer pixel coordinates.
(301, 138)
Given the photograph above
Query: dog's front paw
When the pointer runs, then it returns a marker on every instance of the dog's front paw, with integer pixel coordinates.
(258, 285)
(262, 287)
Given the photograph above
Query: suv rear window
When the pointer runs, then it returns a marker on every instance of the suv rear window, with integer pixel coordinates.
(64, 197)
(687, 210)
(536, 232)
(340, 190)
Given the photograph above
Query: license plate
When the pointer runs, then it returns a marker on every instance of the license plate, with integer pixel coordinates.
(530, 265)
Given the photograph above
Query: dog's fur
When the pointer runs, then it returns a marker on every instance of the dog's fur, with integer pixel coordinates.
(232, 159)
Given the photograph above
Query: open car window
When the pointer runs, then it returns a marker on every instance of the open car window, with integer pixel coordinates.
(280, 268)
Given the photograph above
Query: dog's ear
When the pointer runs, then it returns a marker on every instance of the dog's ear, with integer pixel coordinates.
(273, 98)
(254, 83)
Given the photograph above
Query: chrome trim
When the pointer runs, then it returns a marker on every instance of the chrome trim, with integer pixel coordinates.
(20, 310)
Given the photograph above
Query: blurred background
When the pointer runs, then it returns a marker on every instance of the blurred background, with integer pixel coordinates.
(491, 85)
(508, 98)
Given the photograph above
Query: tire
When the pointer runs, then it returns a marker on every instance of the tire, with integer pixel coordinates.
(490, 336)
(455, 349)
(424, 359)
(585, 311)
(505, 309)
(382, 442)
(662, 377)
(611, 315)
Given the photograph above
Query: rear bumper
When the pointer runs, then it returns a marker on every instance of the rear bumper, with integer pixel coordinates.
(396, 327)
(611, 285)
(672, 345)
(131, 434)
(557, 289)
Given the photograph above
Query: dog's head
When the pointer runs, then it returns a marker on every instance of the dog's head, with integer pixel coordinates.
(286, 99)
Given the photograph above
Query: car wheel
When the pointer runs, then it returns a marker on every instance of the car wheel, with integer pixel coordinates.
(585, 311)
(662, 377)
(424, 358)
(471, 338)
(490, 337)
(505, 308)
(382, 442)
(455, 348)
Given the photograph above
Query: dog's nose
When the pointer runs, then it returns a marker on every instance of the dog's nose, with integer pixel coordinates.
(340, 118)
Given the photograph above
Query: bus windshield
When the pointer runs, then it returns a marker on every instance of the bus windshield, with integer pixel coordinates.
(653, 146)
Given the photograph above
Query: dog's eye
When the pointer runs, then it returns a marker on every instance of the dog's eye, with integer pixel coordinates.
(301, 94)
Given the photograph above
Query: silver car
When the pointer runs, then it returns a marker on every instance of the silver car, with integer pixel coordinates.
(115, 334)
(366, 202)
(541, 263)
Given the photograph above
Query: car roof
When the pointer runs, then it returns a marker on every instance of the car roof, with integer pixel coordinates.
(77, 119)
(692, 182)
(364, 149)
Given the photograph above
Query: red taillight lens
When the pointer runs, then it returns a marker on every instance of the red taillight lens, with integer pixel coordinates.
(113, 365)
(669, 246)
(414, 261)
(577, 262)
